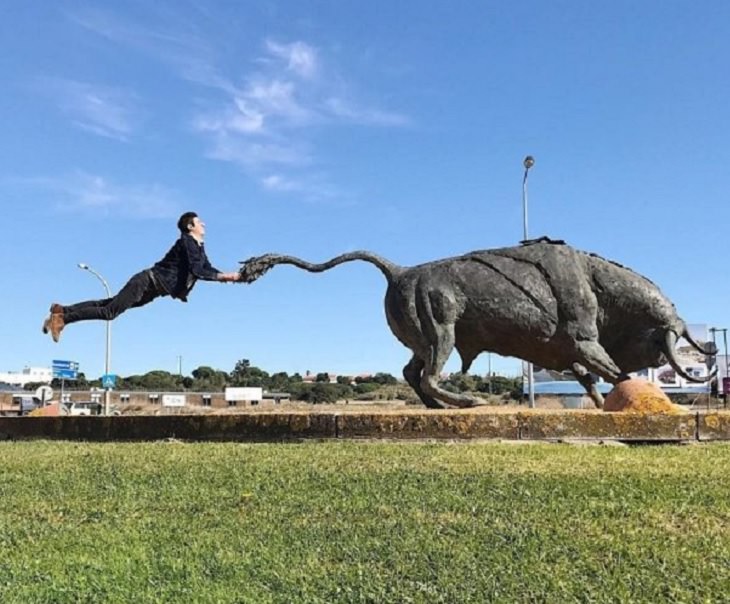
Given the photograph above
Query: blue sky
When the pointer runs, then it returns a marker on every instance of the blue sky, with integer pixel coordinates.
(315, 128)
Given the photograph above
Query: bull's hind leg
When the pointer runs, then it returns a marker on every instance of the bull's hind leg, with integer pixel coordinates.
(438, 355)
(412, 373)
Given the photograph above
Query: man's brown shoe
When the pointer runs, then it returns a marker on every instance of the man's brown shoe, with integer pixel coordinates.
(55, 309)
(56, 323)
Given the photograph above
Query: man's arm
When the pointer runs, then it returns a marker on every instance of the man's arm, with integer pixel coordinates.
(200, 266)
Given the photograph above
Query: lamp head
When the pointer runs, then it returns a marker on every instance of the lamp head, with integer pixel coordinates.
(83, 266)
(529, 162)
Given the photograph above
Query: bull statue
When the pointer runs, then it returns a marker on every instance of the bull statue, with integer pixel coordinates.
(542, 301)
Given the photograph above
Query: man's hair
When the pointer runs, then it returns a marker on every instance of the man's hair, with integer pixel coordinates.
(185, 221)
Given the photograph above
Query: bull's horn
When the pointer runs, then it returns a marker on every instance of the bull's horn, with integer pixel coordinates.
(670, 341)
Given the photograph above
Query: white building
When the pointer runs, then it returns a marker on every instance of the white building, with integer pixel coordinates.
(42, 375)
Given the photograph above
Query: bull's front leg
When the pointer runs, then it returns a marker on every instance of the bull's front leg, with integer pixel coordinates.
(586, 380)
(594, 358)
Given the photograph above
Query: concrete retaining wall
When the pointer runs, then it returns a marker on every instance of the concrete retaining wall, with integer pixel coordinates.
(525, 425)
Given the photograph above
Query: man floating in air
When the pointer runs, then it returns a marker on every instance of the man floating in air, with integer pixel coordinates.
(174, 275)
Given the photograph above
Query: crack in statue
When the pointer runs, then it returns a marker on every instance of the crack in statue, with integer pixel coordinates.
(543, 301)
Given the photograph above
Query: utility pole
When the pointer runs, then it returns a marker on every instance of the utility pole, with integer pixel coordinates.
(489, 370)
(528, 162)
(727, 373)
(108, 348)
(726, 377)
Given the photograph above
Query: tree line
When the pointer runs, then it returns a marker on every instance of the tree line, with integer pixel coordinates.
(244, 374)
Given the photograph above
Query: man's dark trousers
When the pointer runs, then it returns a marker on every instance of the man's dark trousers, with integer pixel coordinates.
(141, 289)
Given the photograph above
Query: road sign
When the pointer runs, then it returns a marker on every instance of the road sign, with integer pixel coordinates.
(65, 365)
(108, 380)
(65, 374)
(44, 393)
(66, 370)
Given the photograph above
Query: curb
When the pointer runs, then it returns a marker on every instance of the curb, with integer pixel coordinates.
(453, 425)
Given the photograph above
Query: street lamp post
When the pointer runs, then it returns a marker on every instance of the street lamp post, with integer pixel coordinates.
(724, 339)
(107, 390)
(713, 331)
(528, 162)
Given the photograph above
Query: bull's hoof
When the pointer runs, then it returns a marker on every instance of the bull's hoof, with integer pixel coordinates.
(432, 403)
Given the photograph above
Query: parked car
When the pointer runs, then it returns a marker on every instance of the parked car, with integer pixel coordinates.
(82, 408)
(26, 403)
(86, 408)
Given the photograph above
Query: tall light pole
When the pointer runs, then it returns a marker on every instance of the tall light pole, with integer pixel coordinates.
(107, 391)
(713, 331)
(489, 370)
(528, 162)
(724, 339)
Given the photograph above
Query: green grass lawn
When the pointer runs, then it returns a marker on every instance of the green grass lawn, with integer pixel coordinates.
(363, 522)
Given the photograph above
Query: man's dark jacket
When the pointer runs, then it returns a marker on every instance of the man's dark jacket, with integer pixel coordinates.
(182, 266)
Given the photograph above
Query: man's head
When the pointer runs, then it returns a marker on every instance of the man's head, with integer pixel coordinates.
(191, 224)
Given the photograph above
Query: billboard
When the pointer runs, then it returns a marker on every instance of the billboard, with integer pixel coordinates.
(173, 400)
(244, 394)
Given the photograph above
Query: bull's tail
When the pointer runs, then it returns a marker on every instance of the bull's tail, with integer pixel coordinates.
(255, 267)
(670, 343)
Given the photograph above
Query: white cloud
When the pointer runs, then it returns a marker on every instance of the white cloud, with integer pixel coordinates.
(242, 118)
(309, 187)
(265, 122)
(277, 182)
(255, 154)
(275, 98)
(95, 195)
(299, 57)
(273, 104)
(260, 117)
(107, 111)
(174, 43)
(363, 115)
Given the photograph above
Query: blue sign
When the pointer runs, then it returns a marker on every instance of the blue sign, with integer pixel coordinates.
(108, 380)
(65, 370)
(73, 365)
(65, 374)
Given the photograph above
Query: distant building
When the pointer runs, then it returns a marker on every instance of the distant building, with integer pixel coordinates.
(43, 375)
(311, 378)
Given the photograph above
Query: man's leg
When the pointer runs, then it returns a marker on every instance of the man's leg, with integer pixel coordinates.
(139, 290)
(85, 305)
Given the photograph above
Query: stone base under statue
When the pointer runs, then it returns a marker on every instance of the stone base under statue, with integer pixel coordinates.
(639, 396)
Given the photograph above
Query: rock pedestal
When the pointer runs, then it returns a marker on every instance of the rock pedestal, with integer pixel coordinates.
(639, 396)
